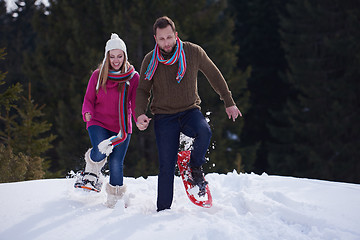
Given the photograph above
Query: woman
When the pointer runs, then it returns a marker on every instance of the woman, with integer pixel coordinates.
(108, 105)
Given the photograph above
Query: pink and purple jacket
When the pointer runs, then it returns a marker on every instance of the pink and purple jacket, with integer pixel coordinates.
(104, 106)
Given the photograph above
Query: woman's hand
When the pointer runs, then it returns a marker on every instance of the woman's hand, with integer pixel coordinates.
(87, 116)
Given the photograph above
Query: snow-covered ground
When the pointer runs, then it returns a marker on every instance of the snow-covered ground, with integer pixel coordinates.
(245, 206)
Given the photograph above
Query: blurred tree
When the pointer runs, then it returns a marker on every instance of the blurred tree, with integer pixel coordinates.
(18, 37)
(19, 167)
(65, 55)
(256, 33)
(4, 24)
(320, 126)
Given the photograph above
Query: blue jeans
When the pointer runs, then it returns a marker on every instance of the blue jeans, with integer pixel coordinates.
(116, 158)
(193, 124)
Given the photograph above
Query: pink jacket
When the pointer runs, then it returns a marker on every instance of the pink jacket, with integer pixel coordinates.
(104, 107)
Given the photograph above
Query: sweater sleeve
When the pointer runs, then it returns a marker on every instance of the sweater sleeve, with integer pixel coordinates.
(90, 95)
(143, 91)
(215, 78)
(132, 95)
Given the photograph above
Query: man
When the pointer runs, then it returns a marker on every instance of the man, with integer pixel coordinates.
(170, 72)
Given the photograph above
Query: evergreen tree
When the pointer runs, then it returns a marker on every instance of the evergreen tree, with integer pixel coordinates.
(18, 37)
(320, 128)
(28, 133)
(18, 166)
(60, 70)
(256, 33)
(7, 102)
(4, 24)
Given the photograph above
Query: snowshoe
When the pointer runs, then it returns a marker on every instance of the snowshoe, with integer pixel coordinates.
(88, 181)
(196, 187)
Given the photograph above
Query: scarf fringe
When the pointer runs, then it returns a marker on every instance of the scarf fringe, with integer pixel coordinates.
(105, 147)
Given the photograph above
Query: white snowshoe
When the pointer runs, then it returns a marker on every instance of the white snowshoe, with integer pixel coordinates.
(88, 181)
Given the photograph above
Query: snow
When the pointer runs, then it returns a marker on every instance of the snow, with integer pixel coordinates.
(245, 206)
(11, 5)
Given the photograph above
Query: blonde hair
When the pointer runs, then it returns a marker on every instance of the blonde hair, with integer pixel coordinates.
(105, 71)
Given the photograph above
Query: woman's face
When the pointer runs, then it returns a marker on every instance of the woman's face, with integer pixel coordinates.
(116, 57)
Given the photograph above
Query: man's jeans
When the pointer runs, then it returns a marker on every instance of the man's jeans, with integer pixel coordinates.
(193, 124)
(116, 158)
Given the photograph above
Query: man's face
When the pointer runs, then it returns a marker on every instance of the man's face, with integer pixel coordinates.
(166, 38)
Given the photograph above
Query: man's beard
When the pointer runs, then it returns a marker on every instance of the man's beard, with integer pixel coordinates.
(171, 50)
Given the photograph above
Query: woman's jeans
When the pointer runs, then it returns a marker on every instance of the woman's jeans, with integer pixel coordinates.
(116, 158)
(193, 124)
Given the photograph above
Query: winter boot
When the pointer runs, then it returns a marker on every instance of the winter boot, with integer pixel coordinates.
(114, 193)
(197, 178)
(90, 178)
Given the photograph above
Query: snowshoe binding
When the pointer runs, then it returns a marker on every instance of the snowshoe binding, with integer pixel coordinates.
(88, 181)
(197, 179)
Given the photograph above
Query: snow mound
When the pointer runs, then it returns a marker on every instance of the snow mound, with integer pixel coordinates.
(245, 206)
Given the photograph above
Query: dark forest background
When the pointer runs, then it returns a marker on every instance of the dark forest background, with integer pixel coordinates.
(293, 67)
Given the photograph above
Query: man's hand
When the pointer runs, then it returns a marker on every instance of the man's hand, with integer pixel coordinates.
(143, 122)
(233, 112)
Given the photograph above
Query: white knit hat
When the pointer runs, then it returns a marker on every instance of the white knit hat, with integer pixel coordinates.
(113, 43)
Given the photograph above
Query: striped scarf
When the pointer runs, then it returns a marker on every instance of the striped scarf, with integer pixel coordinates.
(107, 145)
(178, 56)
(119, 77)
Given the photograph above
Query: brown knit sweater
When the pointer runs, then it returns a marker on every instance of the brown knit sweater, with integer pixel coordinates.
(169, 96)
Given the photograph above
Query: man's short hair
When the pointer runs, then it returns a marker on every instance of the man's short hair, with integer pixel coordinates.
(163, 22)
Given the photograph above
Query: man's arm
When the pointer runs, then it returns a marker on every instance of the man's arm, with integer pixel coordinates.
(215, 78)
(218, 83)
